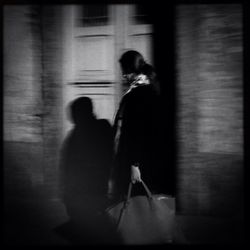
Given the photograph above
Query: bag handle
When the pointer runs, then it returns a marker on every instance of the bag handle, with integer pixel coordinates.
(149, 194)
(126, 202)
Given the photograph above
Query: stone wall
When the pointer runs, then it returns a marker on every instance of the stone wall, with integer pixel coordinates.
(209, 109)
(32, 98)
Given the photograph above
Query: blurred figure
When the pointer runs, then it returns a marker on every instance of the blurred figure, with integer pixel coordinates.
(85, 167)
(137, 129)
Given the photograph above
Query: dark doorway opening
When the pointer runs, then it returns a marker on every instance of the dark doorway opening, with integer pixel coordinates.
(163, 19)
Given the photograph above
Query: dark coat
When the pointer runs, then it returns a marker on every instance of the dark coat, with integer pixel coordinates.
(139, 139)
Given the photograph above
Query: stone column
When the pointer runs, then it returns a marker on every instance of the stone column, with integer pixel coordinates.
(209, 109)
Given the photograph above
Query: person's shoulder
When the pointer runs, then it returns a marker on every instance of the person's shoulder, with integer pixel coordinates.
(143, 92)
(145, 89)
(103, 123)
(104, 128)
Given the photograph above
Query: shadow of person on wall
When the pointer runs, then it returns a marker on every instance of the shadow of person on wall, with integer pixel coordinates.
(85, 166)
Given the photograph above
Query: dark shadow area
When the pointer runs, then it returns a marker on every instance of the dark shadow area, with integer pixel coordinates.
(33, 212)
(94, 230)
(30, 211)
(85, 167)
(164, 62)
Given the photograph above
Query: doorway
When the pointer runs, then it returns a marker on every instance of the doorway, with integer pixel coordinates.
(94, 38)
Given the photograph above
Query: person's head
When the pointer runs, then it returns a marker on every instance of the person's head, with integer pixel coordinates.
(132, 62)
(81, 110)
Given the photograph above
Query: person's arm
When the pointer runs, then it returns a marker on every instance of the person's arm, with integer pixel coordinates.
(136, 125)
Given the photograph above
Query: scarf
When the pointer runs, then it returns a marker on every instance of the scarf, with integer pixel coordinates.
(139, 80)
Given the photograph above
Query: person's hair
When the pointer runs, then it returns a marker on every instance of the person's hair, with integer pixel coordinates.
(133, 62)
(149, 71)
